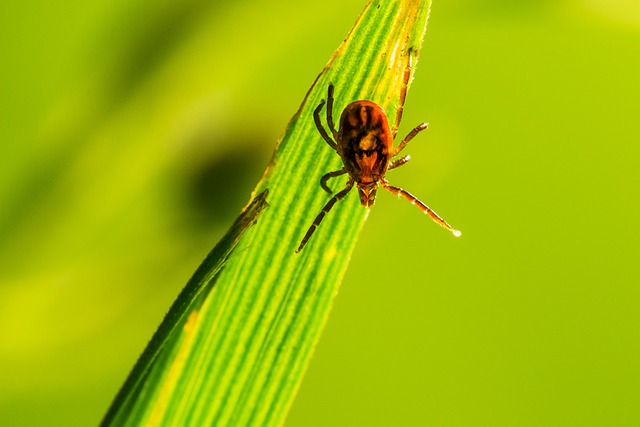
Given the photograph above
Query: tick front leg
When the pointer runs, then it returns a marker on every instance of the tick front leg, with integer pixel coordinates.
(409, 137)
(323, 212)
(424, 208)
(325, 178)
(323, 132)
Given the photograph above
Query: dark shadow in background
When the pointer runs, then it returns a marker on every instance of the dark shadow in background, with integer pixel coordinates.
(219, 186)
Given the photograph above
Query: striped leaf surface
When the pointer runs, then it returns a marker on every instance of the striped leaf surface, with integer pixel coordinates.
(234, 347)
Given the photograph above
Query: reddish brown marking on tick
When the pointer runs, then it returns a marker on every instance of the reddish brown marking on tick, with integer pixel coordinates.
(365, 144)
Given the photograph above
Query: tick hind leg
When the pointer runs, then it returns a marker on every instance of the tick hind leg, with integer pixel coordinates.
(424, 208)
(403, 92)
(325, 178)
(321, 129)
(397, 163)
(339, 196)
(332, 127)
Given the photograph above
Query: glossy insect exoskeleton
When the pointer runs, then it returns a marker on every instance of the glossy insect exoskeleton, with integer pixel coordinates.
(365, 144)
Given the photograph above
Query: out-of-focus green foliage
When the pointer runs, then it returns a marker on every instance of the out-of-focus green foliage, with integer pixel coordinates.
(132, 132)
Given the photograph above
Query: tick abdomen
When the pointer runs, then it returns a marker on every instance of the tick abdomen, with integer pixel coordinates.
(364, 143)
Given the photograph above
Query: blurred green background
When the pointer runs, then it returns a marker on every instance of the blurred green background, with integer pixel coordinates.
(131, 134)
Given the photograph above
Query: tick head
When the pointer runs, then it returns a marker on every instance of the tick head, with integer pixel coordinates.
(367, 193)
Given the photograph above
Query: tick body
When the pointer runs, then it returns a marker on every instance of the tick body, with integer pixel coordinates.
(364, 142)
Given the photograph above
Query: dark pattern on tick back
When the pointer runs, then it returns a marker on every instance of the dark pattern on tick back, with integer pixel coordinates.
(365, 144)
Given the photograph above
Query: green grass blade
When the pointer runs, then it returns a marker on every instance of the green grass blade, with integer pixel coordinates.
(235, 353)
(159, 357)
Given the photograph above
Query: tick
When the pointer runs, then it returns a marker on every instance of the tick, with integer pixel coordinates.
(365, 145)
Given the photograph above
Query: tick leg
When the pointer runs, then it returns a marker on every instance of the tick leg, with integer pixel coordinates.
(325, 178)
(323, 212)
(409, 137)
(397, 163)
(403, 94)
(332, 127)
(424, 208)
(323, 132)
